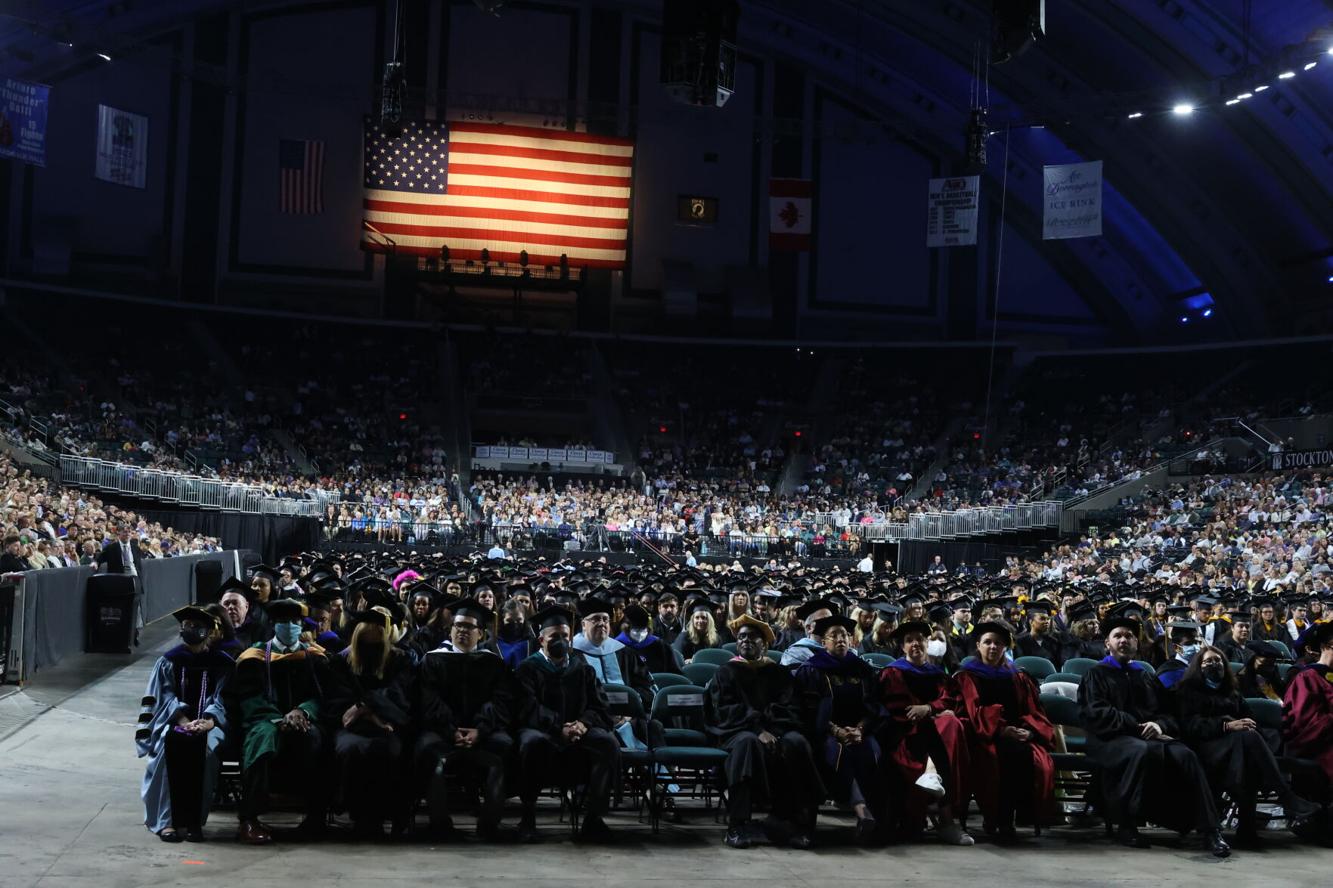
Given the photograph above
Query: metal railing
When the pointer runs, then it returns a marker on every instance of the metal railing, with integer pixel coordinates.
(179, 488)
(973, 522)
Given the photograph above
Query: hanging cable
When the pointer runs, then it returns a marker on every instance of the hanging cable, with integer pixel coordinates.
(995, 299)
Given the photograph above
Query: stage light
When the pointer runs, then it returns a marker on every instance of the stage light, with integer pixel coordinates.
(1330, 278)
(402, 417)
(1233, 101)
(1309, 65)
(1136, 115)
(1184, 319)
(1182, 109)
(1330, 50)
(661, 430)
(1261, 87)
(103, 56)
(797, 433)
(1244, 96)
(1286, 75)
(1207, 312)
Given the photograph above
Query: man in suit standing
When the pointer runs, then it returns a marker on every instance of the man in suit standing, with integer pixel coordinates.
(123, 556)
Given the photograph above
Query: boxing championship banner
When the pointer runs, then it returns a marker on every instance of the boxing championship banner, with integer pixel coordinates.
(1302, 459)
(23, 109)
(951, 218)
(1072, 199)
(122, 147)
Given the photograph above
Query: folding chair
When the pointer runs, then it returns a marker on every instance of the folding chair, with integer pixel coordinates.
(668, 679)
(1035, 668)
(688, 752)
(636, 764)
(712, 656)
(1078, 665)
(701, 673)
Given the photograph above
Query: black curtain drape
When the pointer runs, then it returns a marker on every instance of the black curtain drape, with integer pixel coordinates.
(272, 536)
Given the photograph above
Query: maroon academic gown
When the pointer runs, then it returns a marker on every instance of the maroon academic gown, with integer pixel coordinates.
(992, 701)
(1307, 717)
(907, 744)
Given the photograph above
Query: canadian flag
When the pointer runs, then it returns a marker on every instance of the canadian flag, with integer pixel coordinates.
(789, 213)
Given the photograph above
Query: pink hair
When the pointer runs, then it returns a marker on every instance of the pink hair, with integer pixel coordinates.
(406, 576)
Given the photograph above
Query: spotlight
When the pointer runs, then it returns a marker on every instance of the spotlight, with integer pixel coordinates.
(1233, 101)
(1309, 65)
(1184, 319)
(1330, 278)
(1286, 75)
(1261, 87)
(1136, 115)
(1207, 312)
(1182, 109)
(1244, 96)
(103, 56)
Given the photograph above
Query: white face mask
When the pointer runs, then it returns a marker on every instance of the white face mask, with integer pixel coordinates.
(935, 648)
(638, 634)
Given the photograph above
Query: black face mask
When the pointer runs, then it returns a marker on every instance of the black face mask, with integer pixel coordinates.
(196, 635)
(556, 648)
(511, 631)
(1214, 673)
(371, 653)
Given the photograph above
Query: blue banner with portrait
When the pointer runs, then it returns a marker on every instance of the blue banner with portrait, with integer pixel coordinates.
(23, 108)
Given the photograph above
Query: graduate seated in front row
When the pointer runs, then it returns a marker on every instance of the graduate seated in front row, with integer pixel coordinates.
(467, 700)
(280, 686)
(369, 704)
(1237, 753)
(1009, 736)
(1307, 718)
(566, 732)
(922, 729)
(1185, 636)
(181, 727)
(838, 694)
(1147, 772)
(753, 714)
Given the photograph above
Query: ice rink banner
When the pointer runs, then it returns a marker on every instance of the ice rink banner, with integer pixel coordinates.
(122, 147)
(23, 108)
(1072, 193)
(951, 219)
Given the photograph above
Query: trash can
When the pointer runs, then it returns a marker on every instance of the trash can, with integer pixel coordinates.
(112, 609)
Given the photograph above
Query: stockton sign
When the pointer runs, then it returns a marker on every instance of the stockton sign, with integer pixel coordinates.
(1302, 459)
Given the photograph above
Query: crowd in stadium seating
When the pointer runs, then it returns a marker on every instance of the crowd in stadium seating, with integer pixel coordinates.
(45, 525)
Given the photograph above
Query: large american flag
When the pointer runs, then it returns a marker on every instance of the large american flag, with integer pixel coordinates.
(300, 176)
(499, 187)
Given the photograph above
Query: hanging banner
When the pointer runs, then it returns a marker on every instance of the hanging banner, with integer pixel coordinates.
(23, 121)
(951, 218)
(789, 209)
(1302, 459)
(1072, 193)
(122, 147)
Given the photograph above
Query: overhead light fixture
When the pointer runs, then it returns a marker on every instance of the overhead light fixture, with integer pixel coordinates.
(103, 56)
(1207, 312)
(1184, 319)
(1233, 101)
(1286, 75)
(1309, 65)
(1244, 96)
(1261, 87)
(1136, 115)
(1182, 109)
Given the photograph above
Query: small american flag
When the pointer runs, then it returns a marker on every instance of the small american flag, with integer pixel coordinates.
(510, 189)
(300, 176)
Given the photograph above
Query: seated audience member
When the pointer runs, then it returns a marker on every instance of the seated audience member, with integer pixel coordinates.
(468, 698)
(182, 725)
(1307, 718)
(1010, 737)
(922, 728)
(1184, 635)
(841, 715)
(804, 648)
(280, 688)
(1260, 677)
(700, 631)
(879, 640)
(1042, 638)
(1233, 647)
(1238, 755)
(1147, 774)
(426, 629)
(655, 653)
(515, 637)
(249, 620)
(1083, 638)
(566, 733)
(369, 702)
(611, 660)
(755, 717)
(666, 625)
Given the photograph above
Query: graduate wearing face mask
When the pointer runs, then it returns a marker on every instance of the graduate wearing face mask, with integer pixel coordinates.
(1185, 635)
(655, 653)
(1236, 753)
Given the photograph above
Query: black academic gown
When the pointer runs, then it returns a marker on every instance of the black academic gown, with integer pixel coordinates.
(746, 699)
(655, 653)
(1158, 780)
(843, 692)
(1050, 645)
(370, 760)
(1239, 762)
(667, 631)
(1073, 646)
(470, 691)
(553, 697)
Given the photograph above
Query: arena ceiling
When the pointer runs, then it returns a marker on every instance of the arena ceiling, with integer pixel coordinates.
(1232, 203)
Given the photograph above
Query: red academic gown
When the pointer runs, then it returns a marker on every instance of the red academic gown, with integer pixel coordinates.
(993, 700)
(907, 744)
(1307, 717)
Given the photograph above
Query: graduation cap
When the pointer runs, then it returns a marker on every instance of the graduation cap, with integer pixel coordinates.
(638, 617)
(999, 627)
(887, 610)
(825, 624)
(1265, 649)
(938, 612)
(286, 610)
(590, 606)
(1082, 610)
(375, 616)
(804, 611)
(231, 584)
(470, 607)
(1127, 609)
(551, 616)
(1314, 637)
(1040, 606)
(1184, 626)
(196, 613)
(904, 629)
(263, 570)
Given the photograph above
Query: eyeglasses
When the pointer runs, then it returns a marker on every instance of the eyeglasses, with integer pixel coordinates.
(599, 618)
(467, 627)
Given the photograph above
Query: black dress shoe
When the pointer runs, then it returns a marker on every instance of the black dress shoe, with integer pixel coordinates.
(194, 834)
(1130, 837)
(867, 831)
(737, 837)
(801, 840)
(594, 829)
(527, 830)
(170, 835)
(1217, 846)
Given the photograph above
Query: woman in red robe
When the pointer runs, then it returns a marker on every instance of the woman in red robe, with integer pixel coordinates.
(1009, 736)
(921, 703)
(1307, 706)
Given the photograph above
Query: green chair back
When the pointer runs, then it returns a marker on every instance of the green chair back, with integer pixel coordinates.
(1035, 667)
(715, 656)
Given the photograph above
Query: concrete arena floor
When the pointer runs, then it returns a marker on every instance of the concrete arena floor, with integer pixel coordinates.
(70, 815)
